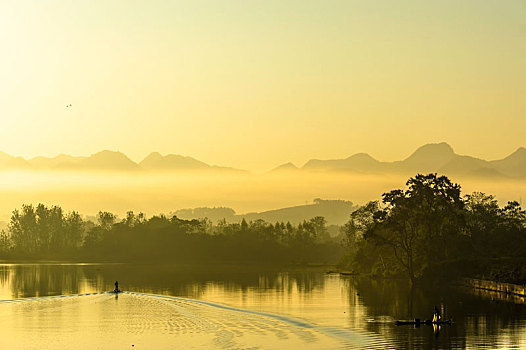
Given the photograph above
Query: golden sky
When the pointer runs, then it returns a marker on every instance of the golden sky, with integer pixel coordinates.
(253, 84)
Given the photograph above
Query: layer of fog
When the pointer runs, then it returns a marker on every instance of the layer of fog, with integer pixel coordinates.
(154, 193)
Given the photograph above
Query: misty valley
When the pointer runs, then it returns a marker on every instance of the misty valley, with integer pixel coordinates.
(111, 182)
(262, 175)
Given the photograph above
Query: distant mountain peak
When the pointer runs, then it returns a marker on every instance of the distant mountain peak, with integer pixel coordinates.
(518, 156)
(441, 148)
(285, 167)
(430, 157)
(109, 160)
(288, 165)
(520, 151)
(106, 152)
(361, 162)
(110, 155)
(155, 161)
(513, 165)
(155, 154)
(361, 156)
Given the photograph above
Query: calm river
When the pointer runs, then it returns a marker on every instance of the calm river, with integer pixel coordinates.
(66, 306)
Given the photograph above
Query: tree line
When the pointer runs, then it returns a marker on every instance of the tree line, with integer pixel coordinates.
(429, 230)
(42, 232)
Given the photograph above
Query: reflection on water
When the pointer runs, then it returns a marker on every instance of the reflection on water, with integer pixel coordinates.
(231, 307)
(478, 322)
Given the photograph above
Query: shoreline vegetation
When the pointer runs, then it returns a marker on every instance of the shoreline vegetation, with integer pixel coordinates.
(427, 233)
(430, 233)
(47, 233)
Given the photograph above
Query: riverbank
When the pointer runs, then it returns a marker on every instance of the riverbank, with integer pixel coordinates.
(503, 291)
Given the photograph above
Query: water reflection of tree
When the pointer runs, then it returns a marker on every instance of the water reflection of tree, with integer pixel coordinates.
(474, 317)
(4, 274)
(179, 280)
(193, 281)
(42, 280)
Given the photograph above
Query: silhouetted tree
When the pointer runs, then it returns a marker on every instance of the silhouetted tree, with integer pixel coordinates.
(421, 223)
(429, 226)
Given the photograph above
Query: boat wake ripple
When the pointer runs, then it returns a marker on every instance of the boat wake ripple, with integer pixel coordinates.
(146, 321)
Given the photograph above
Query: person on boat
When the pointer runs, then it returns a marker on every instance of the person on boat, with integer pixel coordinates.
(436, 315)
(116, 286)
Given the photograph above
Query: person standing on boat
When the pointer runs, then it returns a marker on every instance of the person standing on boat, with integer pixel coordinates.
(117, 287)
(436, 315)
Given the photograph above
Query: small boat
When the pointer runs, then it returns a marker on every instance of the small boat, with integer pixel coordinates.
(418, 322)
(348, 273)
(116, 291)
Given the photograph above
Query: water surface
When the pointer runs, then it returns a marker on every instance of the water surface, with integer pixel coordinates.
(59, 306)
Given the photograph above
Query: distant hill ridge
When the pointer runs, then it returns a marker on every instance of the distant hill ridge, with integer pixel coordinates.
(433, 157)
(108, 160)
(336, 212)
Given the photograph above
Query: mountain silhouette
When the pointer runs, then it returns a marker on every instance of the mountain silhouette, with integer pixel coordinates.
(155, 161)
(285, 167)
(10, 162)
(433, 157)
(512, 165)
(429, 157)
(109, 160)
(173, 162)
(4, 157)
(466, 165)
(104, 160)
(360, 162)
(336, 212)
(52, 163)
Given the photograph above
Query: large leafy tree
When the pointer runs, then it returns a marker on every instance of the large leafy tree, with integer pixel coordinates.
(422, 223)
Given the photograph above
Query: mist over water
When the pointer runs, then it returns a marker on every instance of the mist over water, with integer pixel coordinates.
(165, 192)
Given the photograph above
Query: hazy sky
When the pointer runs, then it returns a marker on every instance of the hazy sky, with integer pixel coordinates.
(253, 84)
